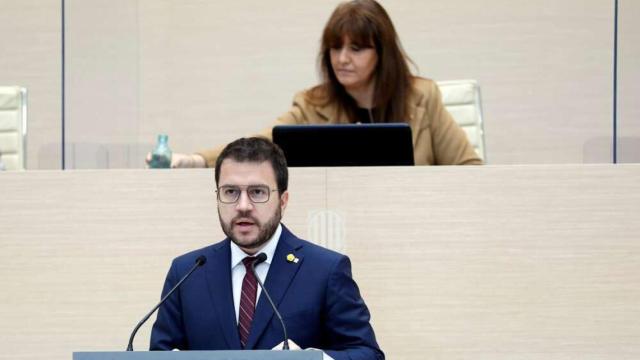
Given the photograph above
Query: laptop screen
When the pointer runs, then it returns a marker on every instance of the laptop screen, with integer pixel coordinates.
(386, 144)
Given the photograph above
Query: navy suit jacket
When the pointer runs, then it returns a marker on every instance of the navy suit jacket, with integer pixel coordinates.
(317, 297)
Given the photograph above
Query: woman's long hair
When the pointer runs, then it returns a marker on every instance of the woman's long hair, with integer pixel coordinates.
(367, 25)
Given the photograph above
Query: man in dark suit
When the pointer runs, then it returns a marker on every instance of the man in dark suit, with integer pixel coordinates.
(220, 307)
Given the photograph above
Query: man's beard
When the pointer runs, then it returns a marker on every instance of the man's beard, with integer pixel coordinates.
(265, 231)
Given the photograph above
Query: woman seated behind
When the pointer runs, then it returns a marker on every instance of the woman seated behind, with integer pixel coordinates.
(366, 79)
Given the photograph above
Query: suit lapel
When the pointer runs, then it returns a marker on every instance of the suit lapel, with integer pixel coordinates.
(218, 272)
(281, 273)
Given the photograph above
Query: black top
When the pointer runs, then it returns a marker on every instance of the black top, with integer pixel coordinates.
(363, 116)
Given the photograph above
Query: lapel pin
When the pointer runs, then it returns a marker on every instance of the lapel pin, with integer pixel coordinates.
(292, 258)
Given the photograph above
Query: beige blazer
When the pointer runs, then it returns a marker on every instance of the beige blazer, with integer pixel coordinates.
(437, 139)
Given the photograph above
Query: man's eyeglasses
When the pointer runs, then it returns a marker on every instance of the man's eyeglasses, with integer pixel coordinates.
(229, 194)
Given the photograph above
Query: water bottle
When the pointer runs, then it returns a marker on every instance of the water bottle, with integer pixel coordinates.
(161, 155)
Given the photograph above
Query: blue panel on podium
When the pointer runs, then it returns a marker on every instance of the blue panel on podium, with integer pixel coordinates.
(200, 355)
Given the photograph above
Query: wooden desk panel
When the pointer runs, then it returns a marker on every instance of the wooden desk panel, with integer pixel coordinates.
(497, 262)
(454, 262)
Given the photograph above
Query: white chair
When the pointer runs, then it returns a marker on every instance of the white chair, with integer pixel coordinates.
(13, 127)
(462, 100)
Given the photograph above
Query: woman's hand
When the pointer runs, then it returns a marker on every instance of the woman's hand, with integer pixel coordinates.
(179, 160)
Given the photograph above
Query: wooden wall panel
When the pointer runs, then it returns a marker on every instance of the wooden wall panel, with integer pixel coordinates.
(496, 263)
(473, 262)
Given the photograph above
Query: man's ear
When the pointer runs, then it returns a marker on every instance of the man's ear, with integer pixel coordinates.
(284, 199)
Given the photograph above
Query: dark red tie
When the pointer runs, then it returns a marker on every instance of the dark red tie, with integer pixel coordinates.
(247, 301)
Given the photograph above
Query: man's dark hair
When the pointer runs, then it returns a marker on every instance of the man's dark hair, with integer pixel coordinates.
(258, 150)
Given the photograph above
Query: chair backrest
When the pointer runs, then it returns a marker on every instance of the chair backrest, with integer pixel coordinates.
(462, 100)
(13, 127)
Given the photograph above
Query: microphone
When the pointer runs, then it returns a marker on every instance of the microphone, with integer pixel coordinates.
(261, 258)
(201, 260)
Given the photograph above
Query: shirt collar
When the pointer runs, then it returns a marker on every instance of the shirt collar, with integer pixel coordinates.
(268, 249)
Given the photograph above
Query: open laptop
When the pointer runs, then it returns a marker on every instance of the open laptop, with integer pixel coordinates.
(386, 144)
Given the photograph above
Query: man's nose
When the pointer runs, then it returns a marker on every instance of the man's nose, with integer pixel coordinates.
(244, 203)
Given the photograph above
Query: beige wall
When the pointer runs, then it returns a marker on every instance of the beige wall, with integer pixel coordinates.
(629, 86)
(30, 50)
(206, 75)
(102, 119)
(207, 72)
(510, 262)
(544, 67)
